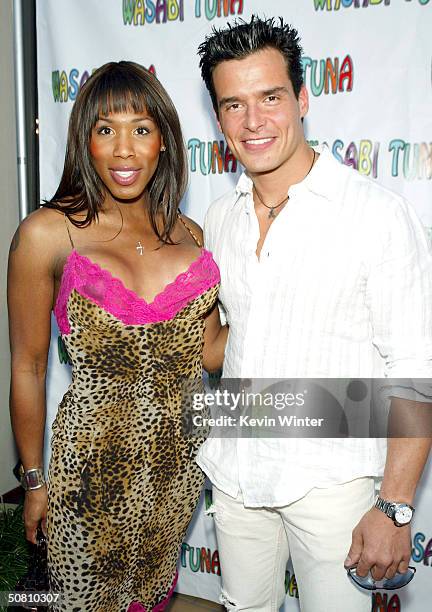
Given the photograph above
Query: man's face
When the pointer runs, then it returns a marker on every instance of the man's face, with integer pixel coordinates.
(258, 111)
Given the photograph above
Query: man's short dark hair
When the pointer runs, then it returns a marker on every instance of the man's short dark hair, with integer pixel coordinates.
(240, 39)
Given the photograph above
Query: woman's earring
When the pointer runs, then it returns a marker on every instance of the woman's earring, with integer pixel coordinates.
(163, 148)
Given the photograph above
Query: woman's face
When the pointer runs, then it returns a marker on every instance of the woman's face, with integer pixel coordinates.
(125, 149)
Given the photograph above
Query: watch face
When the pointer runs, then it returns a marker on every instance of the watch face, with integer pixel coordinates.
(403, 515)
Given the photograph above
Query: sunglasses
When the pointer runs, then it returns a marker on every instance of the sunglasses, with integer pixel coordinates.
(388, 584)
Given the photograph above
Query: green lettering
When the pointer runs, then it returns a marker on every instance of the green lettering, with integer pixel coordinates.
(55, 80)
(128, 11)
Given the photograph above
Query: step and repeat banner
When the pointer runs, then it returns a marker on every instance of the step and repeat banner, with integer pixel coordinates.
(368, 69)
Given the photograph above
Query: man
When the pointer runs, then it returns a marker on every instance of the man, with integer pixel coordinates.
(324, 274)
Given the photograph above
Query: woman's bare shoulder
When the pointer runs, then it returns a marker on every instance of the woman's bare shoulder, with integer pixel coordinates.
(42, 229)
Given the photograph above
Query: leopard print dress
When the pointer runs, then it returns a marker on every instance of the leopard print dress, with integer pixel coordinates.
(123, 483)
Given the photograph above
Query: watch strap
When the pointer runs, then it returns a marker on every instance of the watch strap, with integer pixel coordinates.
(390, 507)
(32, 479)
(386, 506)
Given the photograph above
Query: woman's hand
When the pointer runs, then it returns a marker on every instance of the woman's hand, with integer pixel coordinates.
(37, 246)
(35, 512)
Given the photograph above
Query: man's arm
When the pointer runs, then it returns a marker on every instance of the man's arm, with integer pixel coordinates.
(377, 543)
(400, 298)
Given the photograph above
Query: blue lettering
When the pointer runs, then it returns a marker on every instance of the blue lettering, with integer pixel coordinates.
(337, 145)
(417, 553)
(211, 12)
(150, 11)
(193, 144)
(395, 147)
(73, 89)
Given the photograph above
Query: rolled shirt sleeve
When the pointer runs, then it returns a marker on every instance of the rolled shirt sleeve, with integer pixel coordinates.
(399, 292)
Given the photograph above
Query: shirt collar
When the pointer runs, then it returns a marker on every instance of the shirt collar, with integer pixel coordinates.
(243, 187)
(323, 180)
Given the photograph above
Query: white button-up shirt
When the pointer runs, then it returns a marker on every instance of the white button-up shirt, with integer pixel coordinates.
(343, 288)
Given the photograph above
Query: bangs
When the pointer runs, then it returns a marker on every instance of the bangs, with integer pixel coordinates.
(117, 92)
(122, 87)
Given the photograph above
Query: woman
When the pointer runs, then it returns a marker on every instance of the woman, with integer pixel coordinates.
(134, 296)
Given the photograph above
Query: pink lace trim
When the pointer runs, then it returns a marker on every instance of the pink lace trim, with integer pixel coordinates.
(108, 292)
(137, 607)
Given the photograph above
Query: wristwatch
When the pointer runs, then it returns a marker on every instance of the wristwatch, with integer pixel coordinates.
(32, 479)
(400, 512)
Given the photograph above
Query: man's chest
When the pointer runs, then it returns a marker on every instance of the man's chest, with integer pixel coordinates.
(321, 259)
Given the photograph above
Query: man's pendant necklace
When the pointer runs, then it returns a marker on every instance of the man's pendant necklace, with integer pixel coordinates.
(139, 247)
(271, 214)
(273, 207)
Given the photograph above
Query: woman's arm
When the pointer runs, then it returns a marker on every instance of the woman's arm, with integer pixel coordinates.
(215, 335)
(30, 298)
(215, 338)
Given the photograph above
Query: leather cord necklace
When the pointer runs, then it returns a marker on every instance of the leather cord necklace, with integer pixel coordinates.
(273, 207)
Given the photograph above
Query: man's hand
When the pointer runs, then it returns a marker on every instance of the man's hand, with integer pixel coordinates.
(379, 546)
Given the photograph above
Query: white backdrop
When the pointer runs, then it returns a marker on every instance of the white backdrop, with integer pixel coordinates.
(375, 114)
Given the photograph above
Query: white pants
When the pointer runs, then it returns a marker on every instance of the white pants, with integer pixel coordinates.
(315, 531)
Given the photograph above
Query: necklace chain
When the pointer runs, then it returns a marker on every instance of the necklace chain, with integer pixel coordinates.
(139, 247)
(271, 214)
(272, 207)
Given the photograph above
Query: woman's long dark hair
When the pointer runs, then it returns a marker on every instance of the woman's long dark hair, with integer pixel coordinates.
(118, 87)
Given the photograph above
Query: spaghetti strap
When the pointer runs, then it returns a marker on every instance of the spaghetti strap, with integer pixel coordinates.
(195, 238)
(69, 234)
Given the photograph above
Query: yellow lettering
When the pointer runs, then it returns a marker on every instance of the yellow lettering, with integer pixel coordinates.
(63, 87)
(292, 589)
(365, 161)
(173, 10)
(139, 12)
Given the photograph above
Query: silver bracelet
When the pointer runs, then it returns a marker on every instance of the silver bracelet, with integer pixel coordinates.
(32, 479)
